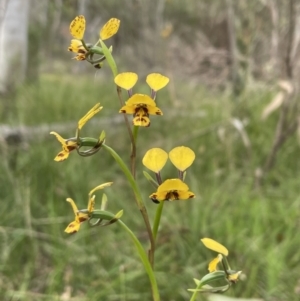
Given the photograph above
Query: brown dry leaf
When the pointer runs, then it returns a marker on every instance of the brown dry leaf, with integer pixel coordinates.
(276, 102)
(286, 86)
(66, 295)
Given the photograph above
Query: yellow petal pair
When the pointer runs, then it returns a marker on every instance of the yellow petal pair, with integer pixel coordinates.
(217, 247)
(127, 80)
(93, 111)
(77, 28)
(181, 157)
(172, 189)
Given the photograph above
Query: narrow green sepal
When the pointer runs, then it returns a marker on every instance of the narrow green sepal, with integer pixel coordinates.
(97, 50)
(102, 214)
(88, 141)
(103, 201)
(102, 136)
(110, 60)
(150, 179)
(119, 214)
(197, 281)
(214, 276)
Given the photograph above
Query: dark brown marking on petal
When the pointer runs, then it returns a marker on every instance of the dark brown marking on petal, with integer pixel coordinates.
(173, 194)
(141, 107)
(82, 219)
(82, 51)
(155, 201)
(154, 198)
(71, 147)
(146, 122)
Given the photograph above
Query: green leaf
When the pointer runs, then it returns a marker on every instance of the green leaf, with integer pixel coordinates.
(110, 60)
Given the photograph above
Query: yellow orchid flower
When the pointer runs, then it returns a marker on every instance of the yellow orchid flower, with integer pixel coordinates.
(213, 245)
(80, 217)
(67, 147)
(182, 157)
(170, 190)
(83, 50)
(71, 144)
(141, 105)
(83, 215)
(110, 28)
(155, 159)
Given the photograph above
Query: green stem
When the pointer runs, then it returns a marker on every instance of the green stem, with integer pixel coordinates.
(138, 197)
(135, 132)
(145, 261)
(193, 298)
(157, 219)
(133, 150)
(128, 175)
(84, 45)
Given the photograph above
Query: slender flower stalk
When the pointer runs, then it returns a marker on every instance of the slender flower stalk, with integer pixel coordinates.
(157, 219)
(145, 261)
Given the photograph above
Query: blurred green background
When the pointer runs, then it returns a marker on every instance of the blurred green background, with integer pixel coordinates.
(232, 97)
